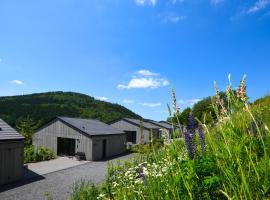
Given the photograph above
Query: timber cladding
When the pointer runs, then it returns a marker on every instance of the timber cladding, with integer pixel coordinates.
(11, 161)
(11, 154)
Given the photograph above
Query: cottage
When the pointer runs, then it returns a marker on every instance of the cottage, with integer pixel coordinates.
(72, 136)
(11, 154)
(137, 131)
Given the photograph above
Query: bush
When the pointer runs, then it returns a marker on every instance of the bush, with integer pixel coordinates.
(148, 148)
(31, 154)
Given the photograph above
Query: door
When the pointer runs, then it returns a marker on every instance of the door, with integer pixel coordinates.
(66, 146)
(104, 149)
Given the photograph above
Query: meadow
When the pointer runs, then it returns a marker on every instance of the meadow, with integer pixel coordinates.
(227, 159)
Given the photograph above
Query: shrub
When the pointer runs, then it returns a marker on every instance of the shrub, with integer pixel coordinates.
(31, 154)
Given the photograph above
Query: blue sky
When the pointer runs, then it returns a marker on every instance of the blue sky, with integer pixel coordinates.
(132, 52)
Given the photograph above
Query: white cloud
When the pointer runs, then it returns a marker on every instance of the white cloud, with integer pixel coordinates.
(17, 82)
(189, 102)
(146, 2)
(176, 1)
(145, 72)
(172, 17)
(128, 101)
(259, 5)
(151, 105)
(102, 98)
(145, 79)
(145, 82)
(216, 2)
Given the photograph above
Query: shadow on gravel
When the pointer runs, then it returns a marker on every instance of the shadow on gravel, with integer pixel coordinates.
(29, 177)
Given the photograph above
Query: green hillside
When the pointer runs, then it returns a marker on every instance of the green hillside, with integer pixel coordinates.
(43, 107)
(262, 106)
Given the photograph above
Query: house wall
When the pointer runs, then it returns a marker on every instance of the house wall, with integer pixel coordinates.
(47, 137)
(125, 126)
(115, 145)
(11, 161)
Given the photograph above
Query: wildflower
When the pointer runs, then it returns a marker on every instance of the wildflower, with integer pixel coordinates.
(201, 134)
(191, 124)
(241, 91)
(189, 145)
(175, 106)
(254, 129)
(142, 175)
(217, 93)
(101, 196)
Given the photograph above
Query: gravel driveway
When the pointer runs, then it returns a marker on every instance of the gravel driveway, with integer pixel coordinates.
(57, 185)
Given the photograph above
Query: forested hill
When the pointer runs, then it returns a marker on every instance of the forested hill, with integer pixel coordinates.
(43, 107)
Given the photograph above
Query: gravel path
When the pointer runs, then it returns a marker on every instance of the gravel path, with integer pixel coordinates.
(57, 185)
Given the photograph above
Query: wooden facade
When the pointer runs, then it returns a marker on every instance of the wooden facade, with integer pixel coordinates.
(11, 154)
(143, 134)
(11, 161)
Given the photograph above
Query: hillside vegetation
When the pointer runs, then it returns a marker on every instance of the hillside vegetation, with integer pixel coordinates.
(43, 107)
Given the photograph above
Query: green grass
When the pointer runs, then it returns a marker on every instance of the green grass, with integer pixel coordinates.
(235, 164)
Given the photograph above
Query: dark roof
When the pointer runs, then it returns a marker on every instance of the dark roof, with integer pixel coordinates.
(144, 124)
(91, 127)
(8, 133)
(162, 125)
(169, 124)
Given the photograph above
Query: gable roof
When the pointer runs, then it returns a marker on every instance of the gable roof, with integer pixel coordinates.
(8, 133)
(165, 123)
(90, 127)
(140, 123)
(162, 125)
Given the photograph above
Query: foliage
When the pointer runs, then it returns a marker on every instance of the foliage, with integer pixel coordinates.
(84, 190)
(26, 126)
(32, 154)
(42, 108)
(234, 164)
(147, 148)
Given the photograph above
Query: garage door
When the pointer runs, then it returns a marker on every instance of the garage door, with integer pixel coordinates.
(66, 146)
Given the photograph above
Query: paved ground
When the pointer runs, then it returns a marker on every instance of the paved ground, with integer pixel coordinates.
(57, 185)
(58, 164)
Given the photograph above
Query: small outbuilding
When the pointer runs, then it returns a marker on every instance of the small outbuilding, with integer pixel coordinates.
(73, 136)
(11, 154)
(137, 131)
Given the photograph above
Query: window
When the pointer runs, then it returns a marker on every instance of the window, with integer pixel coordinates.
(1, 129)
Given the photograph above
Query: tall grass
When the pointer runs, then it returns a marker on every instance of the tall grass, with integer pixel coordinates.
(234, 164)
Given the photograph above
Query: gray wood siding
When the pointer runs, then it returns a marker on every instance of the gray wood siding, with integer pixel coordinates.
(115, 145)
(47, 137)
(125, 126)
(11, 161)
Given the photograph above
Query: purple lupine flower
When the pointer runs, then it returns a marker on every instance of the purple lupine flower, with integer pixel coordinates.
(202, 138)
(192, 133)
(189, 145)
(254, 129)
(191, 123)
(142, 175)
